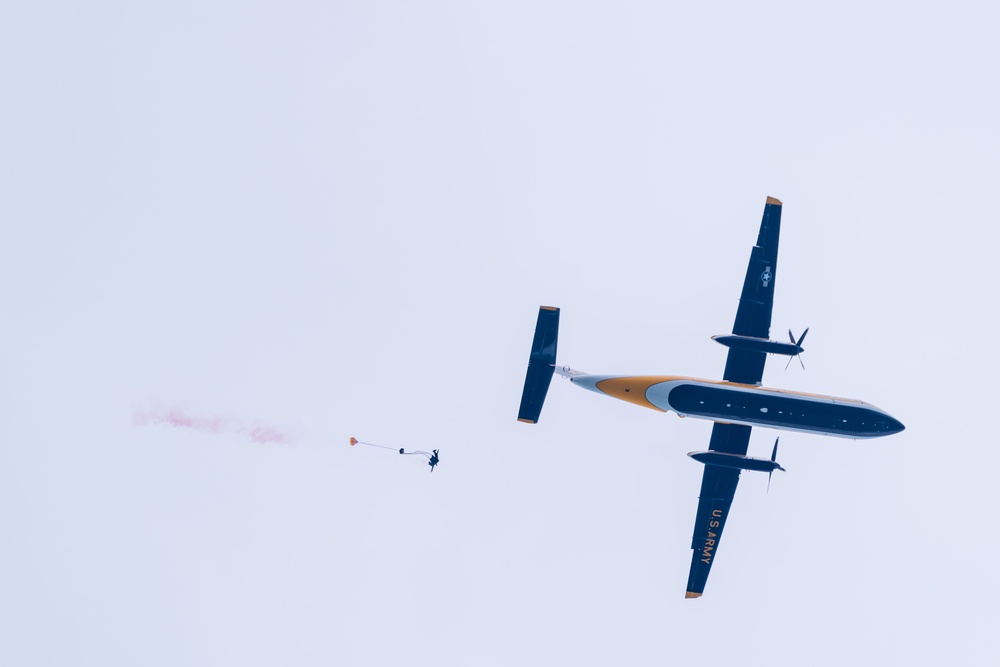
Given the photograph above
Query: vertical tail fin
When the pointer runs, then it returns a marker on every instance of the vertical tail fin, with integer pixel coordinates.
(540, 365)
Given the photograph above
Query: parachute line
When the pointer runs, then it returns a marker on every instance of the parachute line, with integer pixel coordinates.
(422, 453)
(355, 441)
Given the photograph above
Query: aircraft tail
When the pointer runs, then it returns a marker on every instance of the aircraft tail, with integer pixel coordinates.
(541, 363)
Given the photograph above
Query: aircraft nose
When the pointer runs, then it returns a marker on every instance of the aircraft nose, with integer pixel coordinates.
(893, 425)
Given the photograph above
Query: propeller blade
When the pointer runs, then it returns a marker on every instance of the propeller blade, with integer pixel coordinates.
(774, 456)
(798, 344)
(802, 337)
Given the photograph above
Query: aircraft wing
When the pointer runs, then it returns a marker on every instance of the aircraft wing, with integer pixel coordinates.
(718, 486)
(753, 317)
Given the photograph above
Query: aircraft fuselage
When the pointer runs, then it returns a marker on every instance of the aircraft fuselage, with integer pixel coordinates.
(734, 403)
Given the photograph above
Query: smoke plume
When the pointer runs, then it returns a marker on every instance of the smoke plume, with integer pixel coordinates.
(178, 418)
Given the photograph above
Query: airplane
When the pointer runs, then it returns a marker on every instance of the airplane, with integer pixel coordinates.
(734, 405)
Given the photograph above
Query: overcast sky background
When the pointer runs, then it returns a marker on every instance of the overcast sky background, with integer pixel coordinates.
(321, 220)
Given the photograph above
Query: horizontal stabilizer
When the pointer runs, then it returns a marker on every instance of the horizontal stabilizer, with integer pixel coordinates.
(540, 365)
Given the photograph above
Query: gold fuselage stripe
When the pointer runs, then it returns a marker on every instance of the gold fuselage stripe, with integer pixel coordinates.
(631, 389)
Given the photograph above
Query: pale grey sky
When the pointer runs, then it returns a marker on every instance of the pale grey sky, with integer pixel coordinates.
(336, 219)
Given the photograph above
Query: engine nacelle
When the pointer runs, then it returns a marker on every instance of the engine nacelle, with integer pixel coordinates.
(753, 344)
(724, 460)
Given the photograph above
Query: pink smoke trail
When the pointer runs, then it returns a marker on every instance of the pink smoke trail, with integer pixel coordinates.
(266, 434)
(215, 425)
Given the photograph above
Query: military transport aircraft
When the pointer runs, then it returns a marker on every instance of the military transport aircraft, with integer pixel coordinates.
(735, 405)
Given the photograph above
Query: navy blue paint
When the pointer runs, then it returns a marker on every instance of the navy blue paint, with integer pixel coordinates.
(753, 320)
(764, 345)
(540, 364)
(730, 438)
(845, 419)
(718, 486)
(753, 317)
(735, 461)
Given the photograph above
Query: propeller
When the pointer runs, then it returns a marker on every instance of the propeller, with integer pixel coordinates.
(774, 456)
(798, 344)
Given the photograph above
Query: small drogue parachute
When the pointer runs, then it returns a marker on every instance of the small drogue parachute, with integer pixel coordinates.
(432, 458)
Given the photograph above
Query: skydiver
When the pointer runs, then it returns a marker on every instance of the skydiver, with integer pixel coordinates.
(434, 460)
